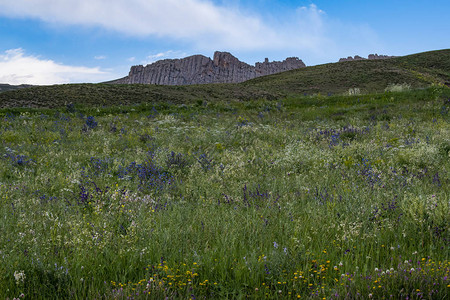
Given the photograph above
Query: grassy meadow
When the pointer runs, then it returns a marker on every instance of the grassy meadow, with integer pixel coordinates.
(310, 197)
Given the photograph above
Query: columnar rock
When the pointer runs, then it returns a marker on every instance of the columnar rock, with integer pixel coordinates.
(376, 56)
(350, 58)
(370, 57)
(199, 69)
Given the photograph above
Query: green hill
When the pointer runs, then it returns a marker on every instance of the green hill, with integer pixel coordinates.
(369, 76)
(417, 70)
(7, 87)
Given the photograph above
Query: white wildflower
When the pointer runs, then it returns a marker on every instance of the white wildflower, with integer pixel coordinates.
(19, 276)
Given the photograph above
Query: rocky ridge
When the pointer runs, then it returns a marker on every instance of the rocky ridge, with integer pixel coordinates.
(199, 69)
(370, 57)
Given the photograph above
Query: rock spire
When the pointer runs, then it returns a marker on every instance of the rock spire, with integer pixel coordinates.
(370, 57)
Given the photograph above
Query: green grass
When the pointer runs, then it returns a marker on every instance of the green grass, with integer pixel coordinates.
(311, 196)
(369, 76)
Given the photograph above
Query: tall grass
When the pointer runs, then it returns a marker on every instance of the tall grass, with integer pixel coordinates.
(307, 197)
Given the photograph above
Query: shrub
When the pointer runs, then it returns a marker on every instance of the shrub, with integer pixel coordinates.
(398, 87)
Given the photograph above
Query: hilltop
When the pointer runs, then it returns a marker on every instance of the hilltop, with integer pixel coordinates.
(7, 87)
(368, 76)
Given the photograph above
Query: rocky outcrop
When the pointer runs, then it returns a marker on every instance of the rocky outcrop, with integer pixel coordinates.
(199, 69)
(376, 56)
(370, 57)
(350, 58)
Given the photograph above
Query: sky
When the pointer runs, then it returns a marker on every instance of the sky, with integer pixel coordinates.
(72, 41)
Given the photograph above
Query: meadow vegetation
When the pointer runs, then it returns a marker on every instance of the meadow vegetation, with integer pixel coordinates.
(310, 197)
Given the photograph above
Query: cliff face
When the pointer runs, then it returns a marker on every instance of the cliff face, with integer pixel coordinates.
(370, 57)
(199, 69)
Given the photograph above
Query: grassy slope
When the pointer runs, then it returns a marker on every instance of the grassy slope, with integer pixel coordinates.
(418, 70)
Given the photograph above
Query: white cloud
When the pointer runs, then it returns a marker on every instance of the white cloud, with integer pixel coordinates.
(18, 68)
(203, 26)
(163, 55)
(207, 25)
(100, 57)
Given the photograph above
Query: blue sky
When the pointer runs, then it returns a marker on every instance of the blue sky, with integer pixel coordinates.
(68, 41)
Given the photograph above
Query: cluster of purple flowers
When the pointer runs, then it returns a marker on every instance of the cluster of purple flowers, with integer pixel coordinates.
(18, 160)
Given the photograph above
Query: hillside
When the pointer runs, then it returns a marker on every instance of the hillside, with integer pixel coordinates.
(7, 87)
(370, 76)
(418, 70)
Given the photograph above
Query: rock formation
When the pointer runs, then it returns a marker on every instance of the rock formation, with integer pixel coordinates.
(199, 69)
(370, 57)
(376, 56)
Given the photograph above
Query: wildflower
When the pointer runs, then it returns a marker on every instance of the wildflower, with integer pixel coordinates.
(90, 123)
(19, 276)
(275, 244)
